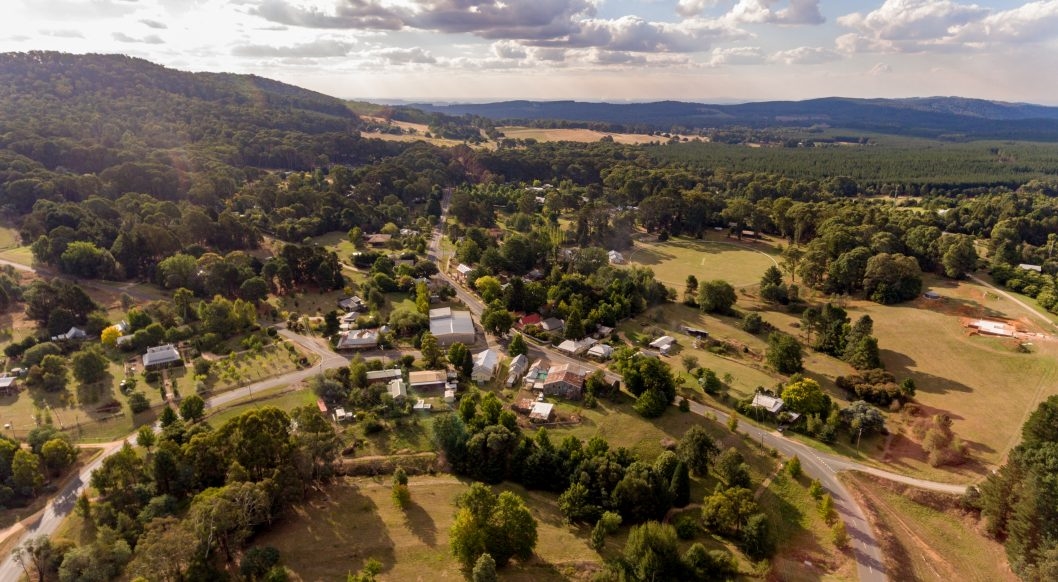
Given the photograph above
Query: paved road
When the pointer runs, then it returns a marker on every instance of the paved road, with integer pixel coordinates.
(63, 502)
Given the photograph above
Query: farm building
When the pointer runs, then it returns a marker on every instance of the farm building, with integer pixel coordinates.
(378, 240)
(600, 352)
(7, 385)
(516, 369)
(576, 347)
(384, 376)
(530, 319)
(484, 366)
(1028, 267)
(75, 333)
(664, 344)
(564, 380)
(990, 327)
(352, 304)
(616, 258)
(695, 332)
(428, 380)
(161, 357)
(360, 339)
(541, 412)
(450, 326)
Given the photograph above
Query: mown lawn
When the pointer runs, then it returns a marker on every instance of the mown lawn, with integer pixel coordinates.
(738, 263)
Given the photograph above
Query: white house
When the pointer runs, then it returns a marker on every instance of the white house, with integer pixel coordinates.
(519, 364)
(359, 339)
(601, 352)
(161, 356)
(397, 389)
(484, 366)
(663, 344)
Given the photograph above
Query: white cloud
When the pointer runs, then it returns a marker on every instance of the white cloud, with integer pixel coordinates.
(880, 69)
(320, 48)
(805, 55)
(693, 7)
(634, 34)
(507, 49)
(1031, 22)
(763, 11)
(742, 55)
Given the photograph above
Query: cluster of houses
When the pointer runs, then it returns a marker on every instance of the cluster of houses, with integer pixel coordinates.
(447, 325)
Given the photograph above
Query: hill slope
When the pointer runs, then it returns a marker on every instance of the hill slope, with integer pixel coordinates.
(938, 117)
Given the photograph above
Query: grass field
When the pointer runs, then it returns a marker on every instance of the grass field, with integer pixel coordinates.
(926, 537)
(338, 530)
(740, 264)
(9, 237)
(577, 135)
(20, 255)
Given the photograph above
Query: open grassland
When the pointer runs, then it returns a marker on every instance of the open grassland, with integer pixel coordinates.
(984, 384)
(338, 530)
(9, 237)
(925, 536)
(17, 254)
(281, 398)
(577, 135)
(738, 263)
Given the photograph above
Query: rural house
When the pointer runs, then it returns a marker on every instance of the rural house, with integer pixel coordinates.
(484, 366)
(161, 357)
(564, 380)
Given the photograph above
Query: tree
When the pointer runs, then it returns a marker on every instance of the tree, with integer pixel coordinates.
(690, 291)
(756, 541)
(431, 350)
(862, 418)
(138, 402)
(652, 552)
(37, 553)
(784, 353)
(826, 509)
(501, 526)
(192, 408)
(651, 404)
(575, 504)
(772, 287)
(145, 437)
(422, 298)
(489, 288)
(165, 550)
(731, 467)
(643, 374)
(89, 365)
(484, 569)
(959, 256)
(806, 397)
(517, 346)
(496, 319)
(254, 290)
(109, 336)
(680, 485)
(257, 561)
(25, 471)
(892, 278)
(459, 356)
(690, 362)
(793, 467)
(58, 454)
(696, 449)
(50, 374)
(839, 536)
(574, 325)
(727, 511)
(716, 296)
(607, 524)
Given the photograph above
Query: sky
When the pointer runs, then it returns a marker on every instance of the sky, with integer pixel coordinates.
(588, 50)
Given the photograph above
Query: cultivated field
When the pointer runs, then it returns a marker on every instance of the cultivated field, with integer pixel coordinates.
(738, 263)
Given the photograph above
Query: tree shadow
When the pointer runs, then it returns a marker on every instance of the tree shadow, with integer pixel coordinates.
(420, 523)
(900, 366)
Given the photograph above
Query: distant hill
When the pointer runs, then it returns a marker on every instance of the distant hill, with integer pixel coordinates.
(936, 117)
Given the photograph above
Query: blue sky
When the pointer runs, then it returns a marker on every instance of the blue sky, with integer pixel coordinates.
(577, 49)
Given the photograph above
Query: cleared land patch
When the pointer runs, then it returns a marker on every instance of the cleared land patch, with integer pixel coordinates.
(740, 264)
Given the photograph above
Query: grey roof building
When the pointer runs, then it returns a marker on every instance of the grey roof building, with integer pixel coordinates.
(450, 326)
(160, 356)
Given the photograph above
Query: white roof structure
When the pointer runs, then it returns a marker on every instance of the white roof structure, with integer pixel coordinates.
(448, 324)
(427, 379)
(615, 257)
(6, 381)
(74, 333)
(552, 324)
(769, 403)
(576, 347)
(484, 366)
(1029, 267)
(397, 389)
(663, 342)
(993, 327)
(541, 411)
(450, 395)
(358, 339)
(422, 405)
(463, 269)
(519, 364)
(601, 351)
(161, 355)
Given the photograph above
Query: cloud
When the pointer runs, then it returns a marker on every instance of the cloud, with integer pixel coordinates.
(796, 12)
(743, 55)
(80, 10)
(348, 14)
(1031, 22)
(805, 55)
(149, 39)
(400, 56)
(693, 7)
(536, 19)
(154, 24)
(62, 33)
(321, 48)
(634, 34)
(506, 49)
(880, 69)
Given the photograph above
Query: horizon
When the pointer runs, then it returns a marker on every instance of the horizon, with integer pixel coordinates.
(615, 51)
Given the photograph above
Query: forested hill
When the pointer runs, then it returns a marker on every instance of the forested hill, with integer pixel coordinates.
(140, 127)
(938, 117)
